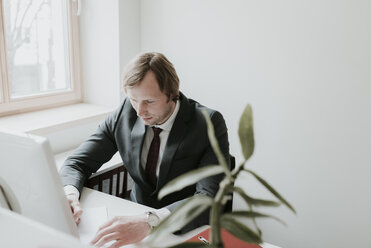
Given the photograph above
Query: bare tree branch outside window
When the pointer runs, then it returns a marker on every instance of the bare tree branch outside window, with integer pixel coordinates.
(31, 27)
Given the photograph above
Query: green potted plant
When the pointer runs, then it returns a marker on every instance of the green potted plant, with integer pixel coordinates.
(199, 203)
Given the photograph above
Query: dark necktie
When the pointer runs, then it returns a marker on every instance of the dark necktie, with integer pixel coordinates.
(152, 157)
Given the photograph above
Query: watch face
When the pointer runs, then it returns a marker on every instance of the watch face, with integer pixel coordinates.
(152, 219)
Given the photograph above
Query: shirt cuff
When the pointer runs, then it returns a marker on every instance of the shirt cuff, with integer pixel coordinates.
(162, 213)
(70, 189)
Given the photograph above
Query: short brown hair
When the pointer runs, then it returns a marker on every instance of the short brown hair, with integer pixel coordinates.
(163, 69)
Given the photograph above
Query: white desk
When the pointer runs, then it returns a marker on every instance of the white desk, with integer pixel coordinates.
(115, 206)
(120, 207)
(19, 231)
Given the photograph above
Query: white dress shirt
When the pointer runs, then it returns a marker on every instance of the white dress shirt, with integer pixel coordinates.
(164, 135)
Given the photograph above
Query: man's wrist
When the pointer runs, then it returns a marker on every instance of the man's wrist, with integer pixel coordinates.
(162, 213)
(70, 189)
(154, 217)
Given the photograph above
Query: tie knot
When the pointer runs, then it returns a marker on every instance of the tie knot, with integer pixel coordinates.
(156, 131)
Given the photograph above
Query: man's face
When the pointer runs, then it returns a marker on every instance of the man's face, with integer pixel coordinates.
(151, 105)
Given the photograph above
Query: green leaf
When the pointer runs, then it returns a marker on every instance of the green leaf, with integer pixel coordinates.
(189, 178)
(215, 145)
(181, 216)
(271, 189)
(255, 201)
(239, 230)
(252, 214)
(246, 132)
(191, 245)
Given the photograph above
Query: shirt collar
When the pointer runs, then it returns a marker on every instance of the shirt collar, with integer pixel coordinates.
(169, 123)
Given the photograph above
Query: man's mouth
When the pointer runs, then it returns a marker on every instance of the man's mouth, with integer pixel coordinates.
(146, 119)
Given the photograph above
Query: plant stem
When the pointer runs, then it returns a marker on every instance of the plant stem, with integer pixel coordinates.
(216, 237)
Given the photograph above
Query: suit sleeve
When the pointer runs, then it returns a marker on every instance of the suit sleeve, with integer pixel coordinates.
(91, 155)
(210, 185)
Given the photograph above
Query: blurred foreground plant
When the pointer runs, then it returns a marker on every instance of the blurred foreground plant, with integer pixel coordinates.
(199, 203)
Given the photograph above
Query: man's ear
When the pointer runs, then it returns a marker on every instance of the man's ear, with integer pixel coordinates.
(169, 98)
(172, 98)
(175, 97)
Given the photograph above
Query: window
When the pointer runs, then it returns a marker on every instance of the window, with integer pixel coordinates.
(38, 55)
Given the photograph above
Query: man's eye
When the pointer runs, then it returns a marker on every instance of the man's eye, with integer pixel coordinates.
(149, 102)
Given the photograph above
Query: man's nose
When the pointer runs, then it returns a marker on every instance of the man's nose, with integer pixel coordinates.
(141, 109)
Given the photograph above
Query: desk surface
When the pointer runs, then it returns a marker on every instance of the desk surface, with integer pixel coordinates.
(19, 231)
(120, 207)
(115, 206)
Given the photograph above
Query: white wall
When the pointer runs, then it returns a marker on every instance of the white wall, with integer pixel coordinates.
(130, 39)
(305, 68)
(110, 37)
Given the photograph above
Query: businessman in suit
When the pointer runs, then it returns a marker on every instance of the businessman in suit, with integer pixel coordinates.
(160, 135)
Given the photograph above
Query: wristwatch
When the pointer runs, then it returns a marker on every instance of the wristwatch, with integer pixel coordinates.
(152, 219)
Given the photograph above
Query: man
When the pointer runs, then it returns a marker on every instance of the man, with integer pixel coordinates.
(160, 135)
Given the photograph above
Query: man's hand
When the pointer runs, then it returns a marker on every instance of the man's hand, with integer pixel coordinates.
(73, 199)
(124, 229)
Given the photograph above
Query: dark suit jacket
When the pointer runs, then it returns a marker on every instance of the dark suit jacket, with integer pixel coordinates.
(187, 148)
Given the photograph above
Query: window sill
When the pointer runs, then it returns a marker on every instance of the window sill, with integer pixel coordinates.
(65, 127)
(52, 120)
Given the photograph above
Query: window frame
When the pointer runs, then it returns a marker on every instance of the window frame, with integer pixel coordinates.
(10, 106)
